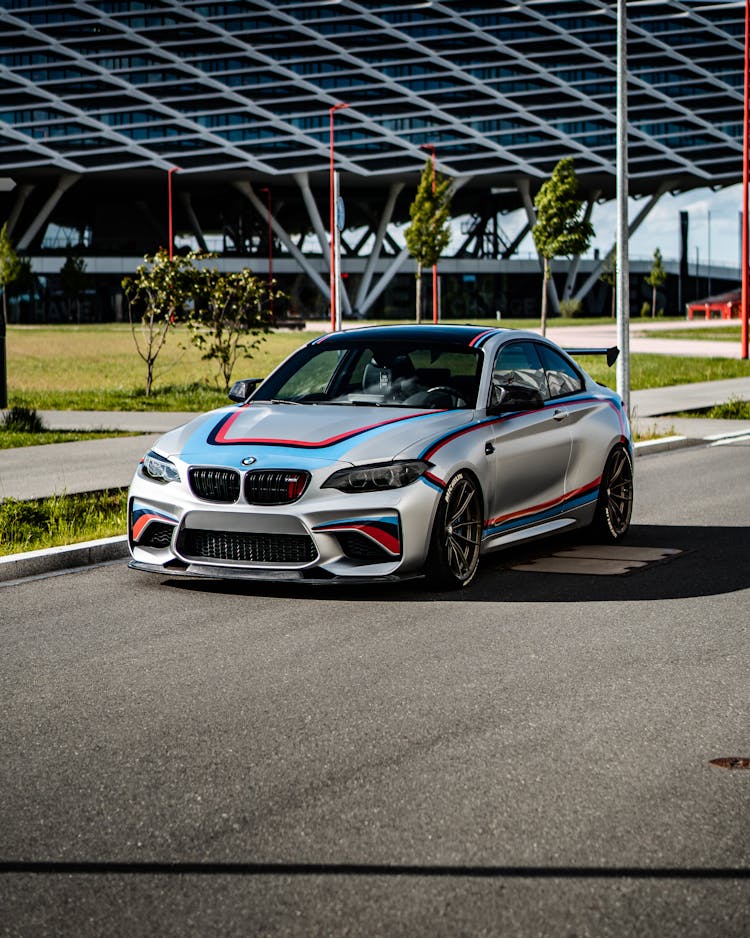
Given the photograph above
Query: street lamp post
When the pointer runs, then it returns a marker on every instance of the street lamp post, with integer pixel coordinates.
(623, 266)
(332, 215)
(431, 148)
(745, 180)
(170, 173)
(270, 251)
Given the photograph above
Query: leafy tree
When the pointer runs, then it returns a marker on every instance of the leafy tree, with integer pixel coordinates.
(429, 232)
(561, 230)
(657, 277)
(11, 269)
(229, 318)
(157, 295)
(72, 281)
(609, 276)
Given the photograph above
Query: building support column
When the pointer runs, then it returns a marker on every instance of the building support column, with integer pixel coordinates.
(63, 184)
(303, 181)
(187, 204)
(362, 300)
(595, 274)
(18, 203)
(385, 278)
(573, 269)
(247, 190)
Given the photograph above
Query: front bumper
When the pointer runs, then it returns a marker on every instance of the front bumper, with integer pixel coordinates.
(325, 536)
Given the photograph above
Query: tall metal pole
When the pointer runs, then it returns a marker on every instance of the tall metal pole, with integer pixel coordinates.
(270, 250)
(623, 267)
(332, 214)
(745, 175)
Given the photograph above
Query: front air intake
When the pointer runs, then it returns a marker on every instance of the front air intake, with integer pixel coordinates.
(241, 547)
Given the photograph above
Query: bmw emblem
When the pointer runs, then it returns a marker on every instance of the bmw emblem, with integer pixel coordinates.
(248, 460)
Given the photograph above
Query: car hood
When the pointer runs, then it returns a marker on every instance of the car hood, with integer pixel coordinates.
(283, 434)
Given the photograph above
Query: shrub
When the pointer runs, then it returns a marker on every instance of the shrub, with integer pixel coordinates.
(571, 309)
(23, 420)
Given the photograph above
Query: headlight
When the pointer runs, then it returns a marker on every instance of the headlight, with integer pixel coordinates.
(392, 475)
(159, 468)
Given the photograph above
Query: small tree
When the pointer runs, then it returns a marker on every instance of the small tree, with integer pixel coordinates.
(230, 316)
(11, 269)
(72, 281)
(561, 230)
(429, 232)
(609, 276)
(156, 296)
(656, 278)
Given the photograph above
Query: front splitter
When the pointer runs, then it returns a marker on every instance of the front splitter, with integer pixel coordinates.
(268, 576)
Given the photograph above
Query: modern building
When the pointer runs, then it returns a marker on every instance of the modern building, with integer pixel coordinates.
(109, 106)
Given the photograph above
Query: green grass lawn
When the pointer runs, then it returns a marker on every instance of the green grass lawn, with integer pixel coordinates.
(61, 519)
(13, 439)
(95, 367)
(730, 333)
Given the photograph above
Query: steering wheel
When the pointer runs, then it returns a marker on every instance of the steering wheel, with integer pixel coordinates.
(455, 397)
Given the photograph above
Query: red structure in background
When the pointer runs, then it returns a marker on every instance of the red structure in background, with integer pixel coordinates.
(723, 306)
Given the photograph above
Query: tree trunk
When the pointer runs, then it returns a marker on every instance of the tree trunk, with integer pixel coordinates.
(544, 295)
(419, 292)
(653, 302)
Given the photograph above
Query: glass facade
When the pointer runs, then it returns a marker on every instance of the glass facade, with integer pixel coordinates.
(109, 72)
(100, 100)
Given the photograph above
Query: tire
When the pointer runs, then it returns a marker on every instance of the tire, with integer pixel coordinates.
(614, 506)
(453, 557)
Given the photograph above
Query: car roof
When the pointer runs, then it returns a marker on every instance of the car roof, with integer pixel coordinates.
(429, 333)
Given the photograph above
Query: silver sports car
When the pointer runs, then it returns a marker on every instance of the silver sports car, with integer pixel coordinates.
(386, 453)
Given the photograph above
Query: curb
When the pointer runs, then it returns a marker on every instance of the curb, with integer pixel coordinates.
(663, 444)
(49, 560)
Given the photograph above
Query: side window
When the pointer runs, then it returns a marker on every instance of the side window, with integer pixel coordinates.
(519, 364)
(562, 378)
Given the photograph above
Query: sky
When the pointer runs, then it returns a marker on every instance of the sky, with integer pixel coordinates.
(708, 211)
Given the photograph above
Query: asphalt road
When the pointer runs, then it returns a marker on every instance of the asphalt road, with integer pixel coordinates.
(530, 757)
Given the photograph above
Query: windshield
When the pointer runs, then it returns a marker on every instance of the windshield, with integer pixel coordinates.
(389, 374)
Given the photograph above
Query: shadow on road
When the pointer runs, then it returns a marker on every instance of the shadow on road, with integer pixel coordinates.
(713, 562)
(124, 868)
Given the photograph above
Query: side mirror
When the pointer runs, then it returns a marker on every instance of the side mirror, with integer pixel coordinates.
(505, 398)
(241, 390)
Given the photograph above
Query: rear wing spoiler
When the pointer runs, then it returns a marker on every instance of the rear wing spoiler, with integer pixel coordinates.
(611, 353)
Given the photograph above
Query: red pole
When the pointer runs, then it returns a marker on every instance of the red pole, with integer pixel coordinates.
(332, 214)
(431, 148)
(270, 251)
(745, 175)
(170, 172)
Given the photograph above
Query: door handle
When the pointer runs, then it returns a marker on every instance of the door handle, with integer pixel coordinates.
(559, 415)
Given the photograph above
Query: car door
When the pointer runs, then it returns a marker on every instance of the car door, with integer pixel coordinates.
(591, 421)
(528, 450)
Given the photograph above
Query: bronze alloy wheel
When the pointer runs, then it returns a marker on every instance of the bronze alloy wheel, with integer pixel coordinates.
(457, 535)
(615, 505)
